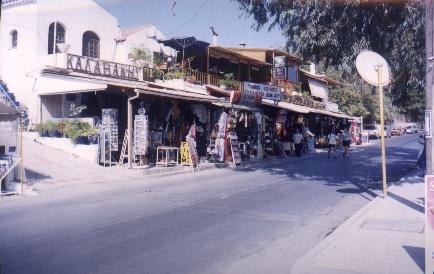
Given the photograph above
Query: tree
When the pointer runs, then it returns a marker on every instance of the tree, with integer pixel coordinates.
(140, 57)
(333, 33)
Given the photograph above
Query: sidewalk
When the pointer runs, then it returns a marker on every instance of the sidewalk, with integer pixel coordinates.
(386, 236)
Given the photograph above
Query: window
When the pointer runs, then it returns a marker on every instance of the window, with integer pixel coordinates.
(90, 44)
(14, 39)
(60, 37)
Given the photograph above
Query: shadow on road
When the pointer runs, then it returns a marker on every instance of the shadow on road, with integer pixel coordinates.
(360, 174)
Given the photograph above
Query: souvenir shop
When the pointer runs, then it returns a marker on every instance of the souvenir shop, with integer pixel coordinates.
(233, 124)
(162, 126)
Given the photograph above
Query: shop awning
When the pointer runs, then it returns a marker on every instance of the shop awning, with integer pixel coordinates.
(52, 85)
(233, 106)
(287, 106)
(318, 89)
(177, 94)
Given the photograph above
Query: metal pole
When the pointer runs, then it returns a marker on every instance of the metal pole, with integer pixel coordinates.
(383, 146)
(130, 129)
(21, 157)
(429, 44)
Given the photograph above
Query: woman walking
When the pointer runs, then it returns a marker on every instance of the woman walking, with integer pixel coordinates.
(331, 138)
(298, 138)
(346, 142)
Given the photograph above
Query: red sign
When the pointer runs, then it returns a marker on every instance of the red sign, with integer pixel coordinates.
(245, 98)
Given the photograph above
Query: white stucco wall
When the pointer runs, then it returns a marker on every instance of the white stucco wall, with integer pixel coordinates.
(20, 67)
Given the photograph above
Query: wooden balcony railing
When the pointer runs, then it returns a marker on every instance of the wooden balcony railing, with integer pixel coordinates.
(150, 74)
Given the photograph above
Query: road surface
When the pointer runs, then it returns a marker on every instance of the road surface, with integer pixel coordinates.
(259, 219)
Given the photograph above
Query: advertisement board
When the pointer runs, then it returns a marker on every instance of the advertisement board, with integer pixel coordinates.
(245, 98)
(267, 91)
(279, 73)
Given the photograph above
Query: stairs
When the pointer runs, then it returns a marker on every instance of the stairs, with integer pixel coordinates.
(9, 99)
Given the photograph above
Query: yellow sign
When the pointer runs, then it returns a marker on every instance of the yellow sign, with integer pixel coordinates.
(185, 154)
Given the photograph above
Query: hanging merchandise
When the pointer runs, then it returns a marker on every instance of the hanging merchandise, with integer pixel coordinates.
(219, 149)
(110, 123)
(201, 112)
(191, 141)
(141, 135)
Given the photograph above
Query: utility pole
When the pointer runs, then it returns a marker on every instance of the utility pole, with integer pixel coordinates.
(429, 44)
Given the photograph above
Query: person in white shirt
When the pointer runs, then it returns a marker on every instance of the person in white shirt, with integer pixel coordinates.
(331, 139)
(346, 142)
(298, 139)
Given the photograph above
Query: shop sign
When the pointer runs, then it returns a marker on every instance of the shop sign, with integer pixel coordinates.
(279, 73)
(279, 61)
(429, 224)
(292, 72)
(267, 92)
(245, 98)
(185, 154)
(99, 67)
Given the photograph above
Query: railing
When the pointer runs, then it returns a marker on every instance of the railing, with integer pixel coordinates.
(4, 97)
(150, 74)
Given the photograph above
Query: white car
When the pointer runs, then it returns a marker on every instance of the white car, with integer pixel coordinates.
(372, 131)
(411, 129)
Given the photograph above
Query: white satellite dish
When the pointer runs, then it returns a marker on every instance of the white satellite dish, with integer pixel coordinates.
(368, 63)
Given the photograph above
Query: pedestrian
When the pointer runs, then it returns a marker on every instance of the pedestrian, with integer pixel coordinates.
(298, 139)
(346, 142)
(331, 140)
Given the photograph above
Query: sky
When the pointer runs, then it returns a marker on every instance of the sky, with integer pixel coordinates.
(193, 18)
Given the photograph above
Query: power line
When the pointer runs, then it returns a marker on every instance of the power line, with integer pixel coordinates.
(189, 19)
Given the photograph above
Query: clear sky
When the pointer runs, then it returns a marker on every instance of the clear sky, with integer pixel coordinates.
(193, 17)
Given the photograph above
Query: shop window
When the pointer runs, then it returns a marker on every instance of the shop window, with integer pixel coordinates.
(14, 39)
(91, 44)
(60, 36)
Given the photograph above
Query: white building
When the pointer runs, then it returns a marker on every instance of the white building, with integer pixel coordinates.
(83, 29)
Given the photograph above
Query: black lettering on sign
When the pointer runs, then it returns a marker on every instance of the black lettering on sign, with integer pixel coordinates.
(115, 71)
(123, 71)
(87, 66)
(78, 64)
(69, 62)
(106, 68)
(97, 69)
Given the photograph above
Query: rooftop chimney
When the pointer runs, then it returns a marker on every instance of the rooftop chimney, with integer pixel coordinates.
(214, 37)
(312, 68)
(215, 40)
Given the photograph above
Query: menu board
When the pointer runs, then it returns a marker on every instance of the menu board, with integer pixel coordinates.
(110, 122)
(141, 132)
(235, 149)
(193, 151)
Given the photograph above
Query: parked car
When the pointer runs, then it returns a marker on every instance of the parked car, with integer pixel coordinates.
(397, 131)
(410, 129)
(373, 131)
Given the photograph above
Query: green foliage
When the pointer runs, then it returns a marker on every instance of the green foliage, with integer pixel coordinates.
(75, 128)
(333, 33)
(140, 57)
(229, 82)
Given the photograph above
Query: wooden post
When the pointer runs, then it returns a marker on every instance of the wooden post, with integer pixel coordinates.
(21, 157)
(383, 146)
(208, 77)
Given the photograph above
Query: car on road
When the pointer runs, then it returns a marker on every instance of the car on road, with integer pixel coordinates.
(410, 129)
(397, 131)
(373, 131)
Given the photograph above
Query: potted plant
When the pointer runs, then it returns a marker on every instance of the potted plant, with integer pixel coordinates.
(41, 129)
(53, 129)
(229, 82)
(92, 135)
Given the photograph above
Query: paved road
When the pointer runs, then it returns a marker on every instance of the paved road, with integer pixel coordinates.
(259, 219)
